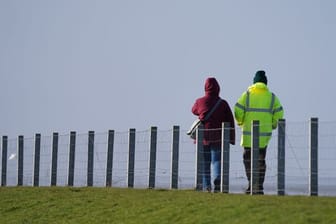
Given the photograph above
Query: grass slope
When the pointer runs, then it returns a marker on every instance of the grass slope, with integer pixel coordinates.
(111, 205)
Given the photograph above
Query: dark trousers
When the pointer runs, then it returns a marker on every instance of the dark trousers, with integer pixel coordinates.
(261, 166)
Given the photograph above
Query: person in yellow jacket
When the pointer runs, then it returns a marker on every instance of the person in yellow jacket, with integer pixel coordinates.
(257, 103)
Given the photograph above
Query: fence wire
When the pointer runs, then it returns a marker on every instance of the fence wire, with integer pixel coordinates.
(297, 160)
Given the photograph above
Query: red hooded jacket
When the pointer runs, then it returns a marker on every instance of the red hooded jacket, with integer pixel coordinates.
(222, 113)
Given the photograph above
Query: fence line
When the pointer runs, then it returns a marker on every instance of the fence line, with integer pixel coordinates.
(170, 159)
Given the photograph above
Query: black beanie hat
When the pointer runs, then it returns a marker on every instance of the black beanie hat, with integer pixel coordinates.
(260, 77)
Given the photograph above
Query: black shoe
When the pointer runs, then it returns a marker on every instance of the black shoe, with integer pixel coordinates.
(261, 190)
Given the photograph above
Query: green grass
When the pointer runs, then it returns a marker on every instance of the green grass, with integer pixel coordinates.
(111, 205)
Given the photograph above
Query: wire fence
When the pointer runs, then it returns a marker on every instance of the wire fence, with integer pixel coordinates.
(297, 160)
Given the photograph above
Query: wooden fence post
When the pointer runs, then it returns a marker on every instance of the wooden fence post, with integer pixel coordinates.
(90, 158)
(152, 157)
(313, 178)
(54, 156)
(4, 161)
(109, 162)
(225, 157)
(199, 158)
(255, 158)
(36, 178)
(281, 156)
(72, 155)
(20, 160)
(131, 157)
(175, 157)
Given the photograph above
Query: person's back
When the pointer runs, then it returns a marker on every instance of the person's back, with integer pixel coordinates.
(222, 113)
(258, 103)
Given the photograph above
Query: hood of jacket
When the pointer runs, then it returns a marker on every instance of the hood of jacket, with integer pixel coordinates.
(258, 87)
(211, 87)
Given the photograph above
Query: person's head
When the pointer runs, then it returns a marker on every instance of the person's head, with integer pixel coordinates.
(260, 76)
(211, 86)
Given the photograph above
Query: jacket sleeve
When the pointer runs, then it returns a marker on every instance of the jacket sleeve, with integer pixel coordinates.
(278, 113)
(239, 109)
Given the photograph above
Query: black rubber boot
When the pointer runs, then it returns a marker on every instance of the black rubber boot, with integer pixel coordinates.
(262, 170)
(247, 165)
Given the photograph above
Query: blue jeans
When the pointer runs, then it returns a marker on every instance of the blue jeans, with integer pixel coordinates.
(211, 158)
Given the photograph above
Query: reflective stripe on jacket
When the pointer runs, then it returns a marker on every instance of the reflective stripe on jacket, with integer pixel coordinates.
(258, 103)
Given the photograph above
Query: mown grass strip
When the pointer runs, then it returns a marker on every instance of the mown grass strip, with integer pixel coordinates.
(113, 205)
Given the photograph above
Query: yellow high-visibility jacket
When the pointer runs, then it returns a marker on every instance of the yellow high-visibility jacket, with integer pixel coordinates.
(258, 103)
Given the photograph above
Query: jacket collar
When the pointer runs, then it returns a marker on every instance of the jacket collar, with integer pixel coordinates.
(258, 86)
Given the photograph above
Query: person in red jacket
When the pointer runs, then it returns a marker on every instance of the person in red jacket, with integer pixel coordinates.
(212, 133)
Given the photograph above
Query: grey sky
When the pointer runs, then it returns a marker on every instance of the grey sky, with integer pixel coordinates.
(98, 65)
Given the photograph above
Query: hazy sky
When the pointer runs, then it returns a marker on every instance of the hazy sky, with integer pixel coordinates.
(118, 64)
